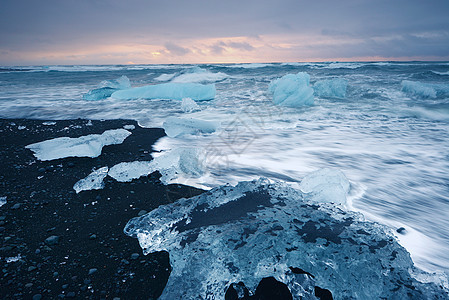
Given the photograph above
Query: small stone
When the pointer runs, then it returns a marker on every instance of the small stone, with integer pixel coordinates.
(135, 256)
(16, 206)
(93, 270)
(93, 237)
(401, 230)
(37, 251)
(41, 170)
(55, 274)
(37, 297)
(31, 268)
(28, 285)
(142, 212)
(64, 286)
(52, 240)
(71, 295)
(70, 164)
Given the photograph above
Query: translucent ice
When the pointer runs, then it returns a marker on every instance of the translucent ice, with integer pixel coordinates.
(326, 185)
(127, 171)
(174, 91)
(425, 90)
(175, 127)
(193, 75)
(94, 181)
(84, 146)
(188, 105)
(331, 88)
(107, 88)
(260, 229)
(185, 162)
(292, 90)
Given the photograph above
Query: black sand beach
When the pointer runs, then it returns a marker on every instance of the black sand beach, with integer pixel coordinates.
(68, 245)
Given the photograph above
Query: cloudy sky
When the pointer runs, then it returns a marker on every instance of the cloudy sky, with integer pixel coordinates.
(200, 31)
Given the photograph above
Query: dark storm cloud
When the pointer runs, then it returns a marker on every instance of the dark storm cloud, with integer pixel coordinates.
(387, 28)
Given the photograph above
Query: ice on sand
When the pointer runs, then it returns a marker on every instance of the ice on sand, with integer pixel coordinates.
(292, 90)
(260, 229)
(84, 146)
(94, 181)
(172, 91)
(175, 127)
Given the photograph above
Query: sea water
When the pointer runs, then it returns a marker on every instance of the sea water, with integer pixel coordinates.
(387, 132)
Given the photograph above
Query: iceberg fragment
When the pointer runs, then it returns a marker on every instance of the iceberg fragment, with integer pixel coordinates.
(173, 91)
(425, 90)
(260, 229)
(331, 88)
(175, 127)
(186, 162)
(326, 185)
(84, 146)
(292, 90)
(107, 88)
(2, 201)
(188, 105)
(94, 181)
(193, 75)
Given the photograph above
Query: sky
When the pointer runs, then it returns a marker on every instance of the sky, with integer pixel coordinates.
(48, 32)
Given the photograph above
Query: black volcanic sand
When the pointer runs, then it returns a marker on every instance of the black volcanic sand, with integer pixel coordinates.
(87, 255)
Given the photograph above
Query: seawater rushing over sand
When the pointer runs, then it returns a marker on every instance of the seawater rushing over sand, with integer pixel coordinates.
(388, 137)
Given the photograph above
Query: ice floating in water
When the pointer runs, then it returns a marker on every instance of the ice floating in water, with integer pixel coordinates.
(94, 181)
(325, 186)
(260, 229)
(174, 91)
(186, 162)
(84, 146)
(425, 90)
(175, 127)
(197, 74)
(107, 88)
(188, 105)
(292, 90)
(2, 201)
(331, 88)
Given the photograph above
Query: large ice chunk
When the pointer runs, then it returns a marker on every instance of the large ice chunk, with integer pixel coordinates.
(326, 185)
(107, 88)
(174, 91)
(331, 88)
(94, 181)
(425, 90)
(185, 162)
(175, 127)
(292, 90)
(193, 75)
(84, 146)
(188, 105)
(260, 229)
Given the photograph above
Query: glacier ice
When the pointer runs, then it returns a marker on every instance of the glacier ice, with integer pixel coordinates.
(331, 88)
(173, 91)
(84, 146)
(184, 161)
(175, 127)
(193, 75)
(326, 185)
(94, 181)
(188, 105)
(292, 90)
(425, 90)
(260, 229)
(127, 171)
(107, 88)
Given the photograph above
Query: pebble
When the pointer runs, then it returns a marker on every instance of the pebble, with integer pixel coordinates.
(37, 297)
(16, 206)
(31, 268)
(135, 256)
(52, 240)
(71, 295)
(93, 237)
(142, 212)
(93, 270)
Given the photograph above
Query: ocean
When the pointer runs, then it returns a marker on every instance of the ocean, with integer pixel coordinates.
(387, 131)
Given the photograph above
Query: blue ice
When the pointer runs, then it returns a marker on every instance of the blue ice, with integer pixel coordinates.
(292, 90)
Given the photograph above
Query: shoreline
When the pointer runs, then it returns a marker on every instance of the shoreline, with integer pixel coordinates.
(63, 244)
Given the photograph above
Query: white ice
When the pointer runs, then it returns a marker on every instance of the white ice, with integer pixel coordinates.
(2, 201)
(127, 171)
(292, 90)
(175, 127)
(94, 181)
(172, 91)
(188, 105)
(84, 146)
